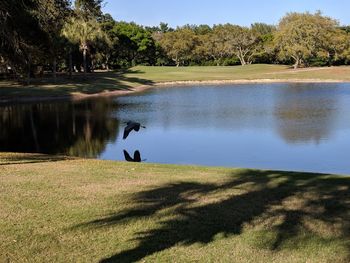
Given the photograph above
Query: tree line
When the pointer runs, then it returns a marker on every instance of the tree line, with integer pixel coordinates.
(300, 39)
(38, 36)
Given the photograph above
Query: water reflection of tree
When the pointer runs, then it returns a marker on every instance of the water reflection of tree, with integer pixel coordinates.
(305, 114)
(79, 129)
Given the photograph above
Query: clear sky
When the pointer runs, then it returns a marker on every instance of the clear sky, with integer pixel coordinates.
(241, 12)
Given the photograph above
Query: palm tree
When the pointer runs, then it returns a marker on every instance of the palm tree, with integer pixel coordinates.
(83, 32)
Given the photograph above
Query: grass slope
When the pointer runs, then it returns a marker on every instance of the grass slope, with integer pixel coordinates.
(58, 209)
(127, 80)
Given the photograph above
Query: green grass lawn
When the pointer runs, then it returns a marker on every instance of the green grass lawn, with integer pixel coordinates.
(57, 209)
(127, 80)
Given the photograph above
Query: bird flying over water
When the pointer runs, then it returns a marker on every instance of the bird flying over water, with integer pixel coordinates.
(130, 125)
(136, 159)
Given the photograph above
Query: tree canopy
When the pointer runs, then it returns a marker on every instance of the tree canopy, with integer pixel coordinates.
(50, 35)
(304, 36)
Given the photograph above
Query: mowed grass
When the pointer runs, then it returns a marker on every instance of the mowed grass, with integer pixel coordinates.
(165, 74)
(248, 72)
(58, 209)
(128, 80)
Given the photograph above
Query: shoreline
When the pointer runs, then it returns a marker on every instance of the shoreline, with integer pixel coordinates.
(6, 158)
(141, 88)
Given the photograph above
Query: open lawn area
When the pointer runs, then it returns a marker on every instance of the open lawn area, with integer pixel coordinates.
(57, 209)
(124, 81)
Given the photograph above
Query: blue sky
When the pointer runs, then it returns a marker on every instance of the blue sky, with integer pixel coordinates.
(241, 12)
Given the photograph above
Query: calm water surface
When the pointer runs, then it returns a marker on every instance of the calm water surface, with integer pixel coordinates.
(302, 127)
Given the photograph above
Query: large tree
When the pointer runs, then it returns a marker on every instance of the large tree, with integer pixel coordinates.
(233, 40)
(52, 15)
(207, 49)
(179, 45)
(83, 32)
(265, 49)
(22, 40)
(244, 43)
(135, 44)
(335, 47)
(301, 36)
(217, 43)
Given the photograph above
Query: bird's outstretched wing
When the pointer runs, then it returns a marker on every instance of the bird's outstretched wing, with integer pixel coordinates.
(127, 156)
(127, 130)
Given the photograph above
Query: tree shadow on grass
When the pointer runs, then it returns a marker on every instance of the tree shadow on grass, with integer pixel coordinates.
(93, 83)
(200, 211)
(18, 158)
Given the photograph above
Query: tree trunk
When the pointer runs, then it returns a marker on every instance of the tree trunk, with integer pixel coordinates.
(54, 68)
(240, 55)
(177, 61)
(250, 59)
(107, 61)
(70, 63)
(28, 73)
(28, 76)
(92, 64)
(84, 61)
(297, 63)
(329, 58)
(241, 59)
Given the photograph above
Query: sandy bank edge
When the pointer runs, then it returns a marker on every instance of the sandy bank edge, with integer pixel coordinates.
(81, 96)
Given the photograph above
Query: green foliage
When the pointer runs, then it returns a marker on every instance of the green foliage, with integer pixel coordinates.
(304, 37)
(135, 45)
(47, 32)
(232, 40)
(179, 45)
(22, 40)
(88, 8)
(52, 15)
(262, 29)
(85, 33)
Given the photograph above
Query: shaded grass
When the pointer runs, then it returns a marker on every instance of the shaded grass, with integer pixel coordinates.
(95, 83)
(127, 80)
(23, 158)
(90, 210)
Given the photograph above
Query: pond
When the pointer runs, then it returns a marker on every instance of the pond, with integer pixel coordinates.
(299, 127)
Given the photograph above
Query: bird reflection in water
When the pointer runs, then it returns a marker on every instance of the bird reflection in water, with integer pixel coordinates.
(136, 159)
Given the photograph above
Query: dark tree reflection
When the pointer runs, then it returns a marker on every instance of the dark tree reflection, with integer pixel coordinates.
(79, 129)
(305, 113)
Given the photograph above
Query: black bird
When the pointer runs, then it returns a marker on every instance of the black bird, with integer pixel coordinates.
(131, 126)
(136, 159)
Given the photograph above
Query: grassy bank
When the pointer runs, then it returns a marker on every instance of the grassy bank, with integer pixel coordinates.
(76, 210)
(121, 82)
